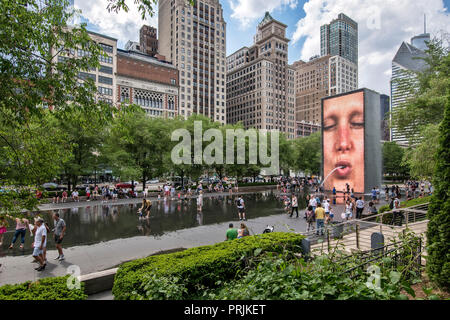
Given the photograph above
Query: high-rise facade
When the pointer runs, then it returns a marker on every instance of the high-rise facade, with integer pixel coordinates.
(148, 40)
(384, 110)
(311, 85)
(260, 82)
(193, 39)
(319, 78)
(147, 82)
(340, 38)
(104, 76)
(407, 58)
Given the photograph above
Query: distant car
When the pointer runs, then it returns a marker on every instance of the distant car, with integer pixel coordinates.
(124, 185)
(50, 186)
(135, 182)
(152, 181)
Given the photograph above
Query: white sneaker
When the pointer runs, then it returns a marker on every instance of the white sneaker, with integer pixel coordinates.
(57, 258)
(61, 258)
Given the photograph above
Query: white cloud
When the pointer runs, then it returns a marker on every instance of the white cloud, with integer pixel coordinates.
(247, 11)
(382, 26)
(123, 25)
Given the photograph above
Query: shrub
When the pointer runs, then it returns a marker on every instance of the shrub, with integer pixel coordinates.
(201, 266)
(44, 289)
(414, 202)
(337, 276)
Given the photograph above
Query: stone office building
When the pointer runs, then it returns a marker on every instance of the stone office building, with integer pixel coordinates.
(260, 83)
(193, 39)
(147, 82)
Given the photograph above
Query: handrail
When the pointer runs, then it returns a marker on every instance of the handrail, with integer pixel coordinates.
(407, 215)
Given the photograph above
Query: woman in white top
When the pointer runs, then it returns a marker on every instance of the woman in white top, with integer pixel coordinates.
(348, 210)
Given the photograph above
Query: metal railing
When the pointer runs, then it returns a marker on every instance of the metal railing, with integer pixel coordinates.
(394, 251)
(390, 222)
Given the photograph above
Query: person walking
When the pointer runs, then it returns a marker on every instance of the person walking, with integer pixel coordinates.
(294, 205)
(326, 208)
(320, 216)
(313, 202)
(241, 208)
(21, 229)
(310, 218)
(231, 233)
(59, 232)
(348, 210)
(200, 201)
(359, 208)
(40, 242)
(145, 192)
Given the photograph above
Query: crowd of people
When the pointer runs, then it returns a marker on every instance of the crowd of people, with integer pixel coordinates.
(40, 230)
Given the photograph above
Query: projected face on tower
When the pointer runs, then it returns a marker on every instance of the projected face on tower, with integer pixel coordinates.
(343, 141)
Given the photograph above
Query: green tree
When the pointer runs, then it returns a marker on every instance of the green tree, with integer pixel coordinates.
(32, 34)
(438, 230)
(145, 7)
(308, 154)
(392, 159)
(137, 145)
(85, 132)
(420, 160)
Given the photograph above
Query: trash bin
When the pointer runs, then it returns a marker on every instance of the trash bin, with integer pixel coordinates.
(338, 229)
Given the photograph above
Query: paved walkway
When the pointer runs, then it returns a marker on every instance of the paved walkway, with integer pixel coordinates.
(106, 255)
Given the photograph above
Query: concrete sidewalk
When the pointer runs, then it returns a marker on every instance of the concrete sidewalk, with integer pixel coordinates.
(106, 255)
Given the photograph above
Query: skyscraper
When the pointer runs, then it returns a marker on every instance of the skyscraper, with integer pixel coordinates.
(340, 38)
(334, 72)
(193, 38)
(406, 58)
(260, 83)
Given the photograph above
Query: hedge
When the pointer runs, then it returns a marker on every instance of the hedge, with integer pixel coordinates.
(387, 218)
(438, 228)
(199, 266)
(45, 289)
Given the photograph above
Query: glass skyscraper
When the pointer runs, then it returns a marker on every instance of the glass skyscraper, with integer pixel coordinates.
(340, 38)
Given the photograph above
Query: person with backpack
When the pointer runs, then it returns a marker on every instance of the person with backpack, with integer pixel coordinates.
(241, 208)
(310, 218)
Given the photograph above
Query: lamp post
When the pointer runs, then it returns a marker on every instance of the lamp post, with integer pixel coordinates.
(96, 154)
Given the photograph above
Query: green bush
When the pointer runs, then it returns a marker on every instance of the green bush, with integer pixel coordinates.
(44, 289)
(438, 232)
(201, 266)
(326, 277)
(414, 202)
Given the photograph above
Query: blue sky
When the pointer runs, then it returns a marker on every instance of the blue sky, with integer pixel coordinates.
(383, 25)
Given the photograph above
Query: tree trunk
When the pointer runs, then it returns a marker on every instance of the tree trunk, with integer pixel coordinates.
(144, 177)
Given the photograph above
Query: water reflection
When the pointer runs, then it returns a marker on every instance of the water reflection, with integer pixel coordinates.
(93, 224)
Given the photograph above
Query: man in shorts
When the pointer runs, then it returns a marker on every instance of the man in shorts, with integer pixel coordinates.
(40, 242)
(59, 230)
(241, 208)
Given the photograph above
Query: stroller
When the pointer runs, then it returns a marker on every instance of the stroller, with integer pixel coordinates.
(268, 229)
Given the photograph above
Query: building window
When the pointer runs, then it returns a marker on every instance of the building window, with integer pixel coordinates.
(105, 80)
(173, 81)
(106, 69)
(85, 75)
(106, 48)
